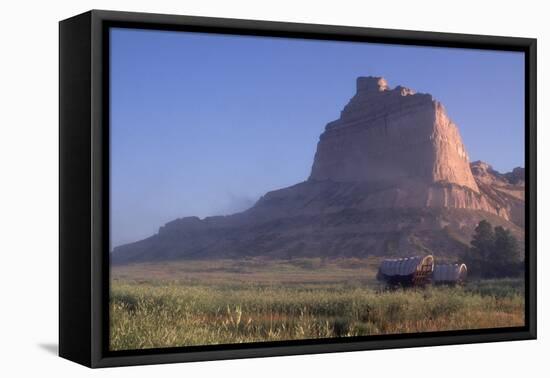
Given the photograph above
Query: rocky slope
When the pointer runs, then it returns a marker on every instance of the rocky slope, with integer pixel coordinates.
(504, 192)
(391, 176)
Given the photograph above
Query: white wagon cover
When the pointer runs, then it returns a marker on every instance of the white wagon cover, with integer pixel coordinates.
(402, 266)
(449, 272)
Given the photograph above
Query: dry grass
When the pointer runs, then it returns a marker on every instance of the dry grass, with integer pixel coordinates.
(220, 302)
(251, 271)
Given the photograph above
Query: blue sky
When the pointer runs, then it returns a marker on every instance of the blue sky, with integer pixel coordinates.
(204, 124)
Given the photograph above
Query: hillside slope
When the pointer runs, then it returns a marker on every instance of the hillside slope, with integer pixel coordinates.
(390, 177)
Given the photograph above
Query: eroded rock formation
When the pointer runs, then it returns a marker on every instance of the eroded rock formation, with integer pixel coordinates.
(392, 135)
(402, 143)
(504, 192)
(390, 177)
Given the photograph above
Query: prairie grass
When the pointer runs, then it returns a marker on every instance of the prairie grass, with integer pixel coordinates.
(307, 301)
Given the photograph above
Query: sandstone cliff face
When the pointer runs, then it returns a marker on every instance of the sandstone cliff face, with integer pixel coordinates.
(390, 177)
(390, 136)
(403, 143)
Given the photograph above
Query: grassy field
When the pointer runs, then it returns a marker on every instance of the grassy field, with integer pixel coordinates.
(219, 302)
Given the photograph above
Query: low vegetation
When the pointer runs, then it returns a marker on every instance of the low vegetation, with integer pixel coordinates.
(220, 302)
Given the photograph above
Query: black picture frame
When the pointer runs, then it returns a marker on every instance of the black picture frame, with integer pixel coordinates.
(84, 187)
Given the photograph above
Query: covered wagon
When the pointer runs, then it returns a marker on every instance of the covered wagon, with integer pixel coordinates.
(408, 271)
(450, 274)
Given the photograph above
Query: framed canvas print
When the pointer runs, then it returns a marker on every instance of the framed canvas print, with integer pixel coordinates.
(234, 188)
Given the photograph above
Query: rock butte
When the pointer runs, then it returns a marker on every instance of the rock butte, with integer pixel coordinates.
(391, 176)
(391, 135)
(403, 143)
